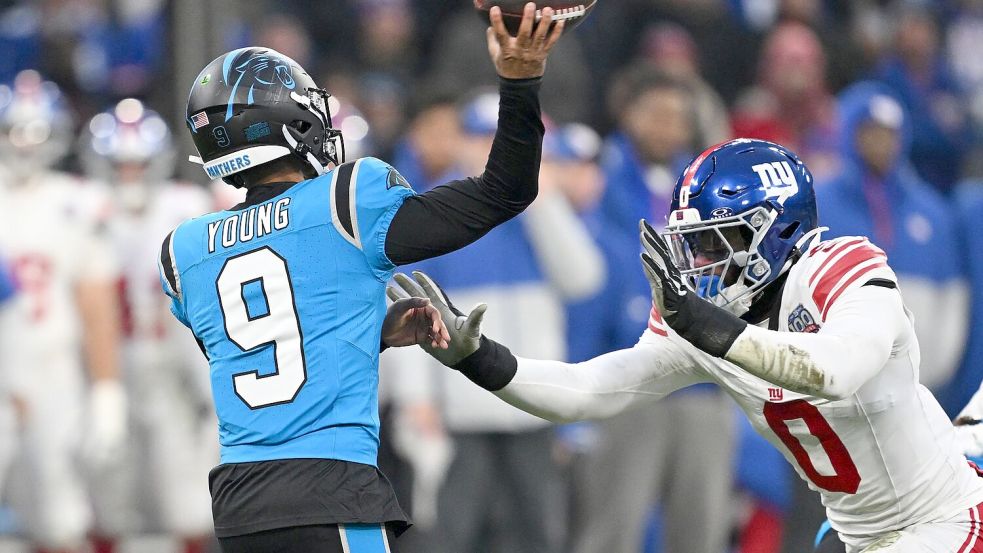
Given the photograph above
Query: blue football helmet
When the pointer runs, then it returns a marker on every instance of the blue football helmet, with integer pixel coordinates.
(741, 213)
(130, 147)
(36, 125)
(128, 134)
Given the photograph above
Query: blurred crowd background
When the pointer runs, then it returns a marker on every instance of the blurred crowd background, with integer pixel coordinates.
(883, 99)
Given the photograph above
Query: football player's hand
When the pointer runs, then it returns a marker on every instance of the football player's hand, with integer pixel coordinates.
(105, 439)
(524, 55)
(414, 321)
(465, 330)
(668, 291)
(699, 322)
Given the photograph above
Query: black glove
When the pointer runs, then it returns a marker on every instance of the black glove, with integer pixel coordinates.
(699, 322)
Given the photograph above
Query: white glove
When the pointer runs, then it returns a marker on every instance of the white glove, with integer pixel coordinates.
(105, 438)
(464, 330)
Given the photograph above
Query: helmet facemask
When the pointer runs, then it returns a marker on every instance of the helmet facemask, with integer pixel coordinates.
(318, 151)
(720, 259)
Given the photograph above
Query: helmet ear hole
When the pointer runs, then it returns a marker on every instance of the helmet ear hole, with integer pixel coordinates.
(301, 126)
(789, 231)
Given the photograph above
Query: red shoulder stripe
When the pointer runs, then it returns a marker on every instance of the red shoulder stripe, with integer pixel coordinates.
(847, 284)
(829, 280)
(656, 323)
(840, 246)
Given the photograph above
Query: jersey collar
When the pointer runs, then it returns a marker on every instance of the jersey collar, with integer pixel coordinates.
(258, 194)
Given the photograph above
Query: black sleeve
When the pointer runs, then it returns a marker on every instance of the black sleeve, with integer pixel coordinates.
(492, 366)
(456, 214)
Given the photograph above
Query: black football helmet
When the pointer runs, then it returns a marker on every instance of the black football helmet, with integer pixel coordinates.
(254, 105)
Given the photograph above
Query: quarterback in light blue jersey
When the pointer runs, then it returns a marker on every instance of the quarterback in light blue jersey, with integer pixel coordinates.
(289, 380)
(285, 293)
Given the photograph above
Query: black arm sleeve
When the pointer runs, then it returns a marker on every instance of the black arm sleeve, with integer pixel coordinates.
(456, 214)
(492, 366)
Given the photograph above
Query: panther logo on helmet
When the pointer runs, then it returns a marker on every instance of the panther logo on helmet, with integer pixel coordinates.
(262, 69)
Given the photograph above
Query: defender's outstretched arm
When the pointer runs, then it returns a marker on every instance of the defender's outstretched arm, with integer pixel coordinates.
(556, 391)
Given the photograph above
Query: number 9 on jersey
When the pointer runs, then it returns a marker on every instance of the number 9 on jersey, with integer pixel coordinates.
(279, 326)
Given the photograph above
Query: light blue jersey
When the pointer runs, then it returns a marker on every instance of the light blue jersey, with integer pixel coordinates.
(287, 299)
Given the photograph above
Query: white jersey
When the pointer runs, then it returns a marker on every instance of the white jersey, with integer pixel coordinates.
(872, 440)
(152, 338)
(136, 237)
(52, 235)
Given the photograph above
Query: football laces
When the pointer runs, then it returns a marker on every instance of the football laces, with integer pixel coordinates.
(565, 13)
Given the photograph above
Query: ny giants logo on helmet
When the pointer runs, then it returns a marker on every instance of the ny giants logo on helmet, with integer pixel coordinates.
(778, 179)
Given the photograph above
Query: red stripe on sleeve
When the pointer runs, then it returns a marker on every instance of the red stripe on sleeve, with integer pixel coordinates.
(839, 269)
(656, 323)
(978, 521)
(839, 248)
(973, 531)
(852, 279)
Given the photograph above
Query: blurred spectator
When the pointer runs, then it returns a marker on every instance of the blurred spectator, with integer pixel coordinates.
(501, 492)
(678, 452)
(382, 98)
(964, 35)
(790, 104)
(721, 40)
(427, 151)
(878, 195)
(97, 50)
(968, 200)
(645, 155)
(570, 154)
(286, 35)
(918, 73)
(333, 28)
(460, 62)
(387, 38)
(829, 19)
(670, 48)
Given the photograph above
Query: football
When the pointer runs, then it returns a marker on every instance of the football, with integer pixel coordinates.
(571, 11)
